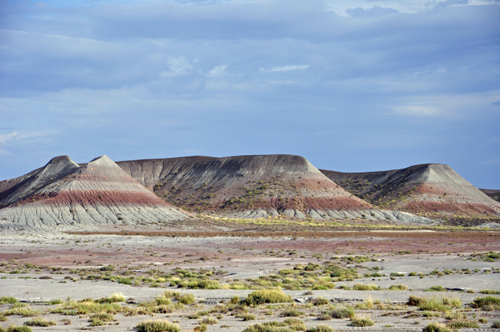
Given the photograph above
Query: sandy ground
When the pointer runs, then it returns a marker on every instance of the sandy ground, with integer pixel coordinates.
(242, 258)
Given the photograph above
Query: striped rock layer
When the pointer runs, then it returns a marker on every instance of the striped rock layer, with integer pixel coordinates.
(432, 189)
(65, 193)
(252, 187)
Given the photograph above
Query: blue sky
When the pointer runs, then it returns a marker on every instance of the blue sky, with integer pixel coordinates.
(359, 85)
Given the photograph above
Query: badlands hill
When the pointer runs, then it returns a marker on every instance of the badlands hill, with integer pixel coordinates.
(65, 193)
(251, 187)
(428, 189)
(492, 193)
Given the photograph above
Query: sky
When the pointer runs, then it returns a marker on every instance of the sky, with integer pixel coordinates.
(353, 86)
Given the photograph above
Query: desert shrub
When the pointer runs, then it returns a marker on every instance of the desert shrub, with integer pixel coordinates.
(339, 313)
(361, 321)
(14, 328)
(169, 294)
(414, 300)
(435, 289)
(247, 317)
(436, 327)
(162, 301)
(8, 300)
(292, 313)
(487, 303)
(320, 328)
(209, 284)
(209, 320)
(295, 324)
(200, 328)
(267, 296)
(320, 301)
(483, 320)
(116, 297)
(400, 287)
(365, 287)
(495, 325)
(489, 291)
(157, 326)
(40, 322)
(102, 317)
(186, 298)
(463, 324)
(125, 281)
(2, 317)
(435, 303)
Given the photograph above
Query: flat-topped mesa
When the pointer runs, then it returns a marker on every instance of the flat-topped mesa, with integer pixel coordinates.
(249, 187)
(100, 192)
(423, 189)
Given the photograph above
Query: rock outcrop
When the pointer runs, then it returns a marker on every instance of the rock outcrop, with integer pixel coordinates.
(252, 187)
(65, 193)
(432, 189)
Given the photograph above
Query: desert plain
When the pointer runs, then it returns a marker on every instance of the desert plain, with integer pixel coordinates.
(199, 276)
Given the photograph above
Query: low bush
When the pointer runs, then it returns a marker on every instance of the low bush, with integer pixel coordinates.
(361, 321)
(435, 289)
(414, 300)
(320, 328)
(489, 291)
(436, 327)
(400, 287)
(247, 317)
(267, 296)
(340, 313)
(487, 303)
(157, 326)
(462, 324)
(365, 287)
(186, 298)
(495, 325)
(8, 300)
(40, 322)
(209, 320)
(288, 325)
(292, 313)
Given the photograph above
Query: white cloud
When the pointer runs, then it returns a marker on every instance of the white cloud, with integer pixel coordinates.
(218, 71)
(177, 67)
(7, 137)
(491, 162)
(286, 68)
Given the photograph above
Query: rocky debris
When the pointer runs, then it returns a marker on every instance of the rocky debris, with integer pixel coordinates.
(63, 193)
(427, 188)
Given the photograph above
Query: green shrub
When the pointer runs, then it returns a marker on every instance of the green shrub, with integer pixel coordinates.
(292, 313)
(363, 287)
(14, 328)
(40, 322)
(320, 328)
(320, 301)
(8, 300)
(247, 317)
(489, 291)
(434, 303)
(414, 300)
(436, 327)
(495, 325)
(186, 299)
(361, 321)
(463, 324)
(157, 326)
(435, 289)
(267, 296)
(200, 328)
(162, 301)
(400, 287)
(209, 284)
(339, 313)
(209, 320)
(487, 303)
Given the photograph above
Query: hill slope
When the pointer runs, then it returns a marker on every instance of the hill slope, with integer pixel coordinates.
(250, 187)
(492, 193)
(428, 189)
(63, 192)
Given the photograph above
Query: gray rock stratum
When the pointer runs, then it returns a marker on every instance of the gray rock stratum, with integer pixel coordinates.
(65, 193)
